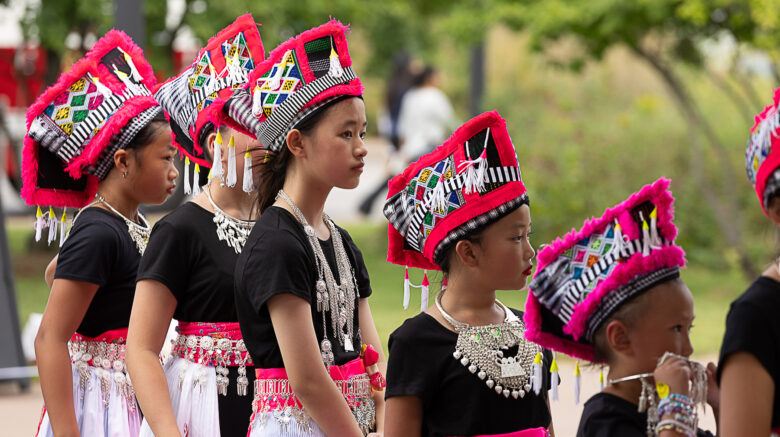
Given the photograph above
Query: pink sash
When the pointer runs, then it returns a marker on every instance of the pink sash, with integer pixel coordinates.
(118, 335)
(535, 432)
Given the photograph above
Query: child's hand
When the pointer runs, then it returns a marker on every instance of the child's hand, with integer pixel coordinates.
(713, 391)
(675, 373)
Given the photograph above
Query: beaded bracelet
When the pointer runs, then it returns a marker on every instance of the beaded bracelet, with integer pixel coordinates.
(680, 398)
(673, 425)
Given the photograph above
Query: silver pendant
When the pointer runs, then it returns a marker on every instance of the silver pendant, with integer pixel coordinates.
(510, 367)
(348, 344)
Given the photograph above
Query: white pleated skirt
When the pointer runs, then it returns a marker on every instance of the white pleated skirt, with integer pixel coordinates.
(195, 405)
(269, 425)
(121, 418)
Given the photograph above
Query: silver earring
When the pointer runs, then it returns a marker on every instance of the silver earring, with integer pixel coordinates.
(124, 174)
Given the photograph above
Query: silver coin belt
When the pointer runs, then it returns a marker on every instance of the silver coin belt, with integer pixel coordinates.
(107, 361)
(275, 396)
(214, 352)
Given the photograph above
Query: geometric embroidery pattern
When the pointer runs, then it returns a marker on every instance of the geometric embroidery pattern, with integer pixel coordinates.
(289, 82)
(426, 182)
(72, 106)
(588, 252)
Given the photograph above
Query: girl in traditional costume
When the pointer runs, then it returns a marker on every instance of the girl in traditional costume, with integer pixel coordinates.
(749, 367)
(462, 367)
(301, 283)
(611, 293)
(187, 272)
(96, 134)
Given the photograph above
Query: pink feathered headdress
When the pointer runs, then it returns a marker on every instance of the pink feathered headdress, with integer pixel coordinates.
(473, 177)
(74, 127)
(762, 155)
(222, 66)
(585, 276)
(298, 76)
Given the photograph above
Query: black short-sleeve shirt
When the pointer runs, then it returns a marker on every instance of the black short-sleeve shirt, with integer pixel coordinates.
(455, 401)
(99, 250)
(607, 415)
(753, 326)
(278, 259)
(185, 255)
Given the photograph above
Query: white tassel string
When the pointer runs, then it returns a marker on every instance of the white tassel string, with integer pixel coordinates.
(645, 235)
(424, 287)
(275, 81)
(407, 287)
(247, 181)
(536, 373)
(655, 240)
(476, 169)
(257, 102)
(63, 227)
(52, 224)
(134, 71)
(102, 89)
(216, 164)
(196, 181)
(187, 186)
(40, 223)
(555, 378)
(601, 379)
(438, 199)
(577, 382)
(335, 69)
(232, 177)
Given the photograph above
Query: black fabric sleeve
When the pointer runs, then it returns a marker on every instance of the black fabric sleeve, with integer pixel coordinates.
(748, 329)
(167, 258)
(89, 254)
(405, 375)
(280, 265)
(361, 272)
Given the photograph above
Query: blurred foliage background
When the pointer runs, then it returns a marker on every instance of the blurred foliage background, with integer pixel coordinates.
(600, 96)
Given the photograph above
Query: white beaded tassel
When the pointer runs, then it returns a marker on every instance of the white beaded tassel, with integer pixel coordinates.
(232, 177)
(216, 164)
(536, 373)
(424, 292)
(40, 223)
(577, 382)
(63, 227)
(187, 187)
(407, 287)
(248, 184)
(334, 69)
(196, 181)
(52, 224)
(555, 378)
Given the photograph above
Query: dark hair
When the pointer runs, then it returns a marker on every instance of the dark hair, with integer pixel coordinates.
(203, 136)
(273, 175)
(424, 76)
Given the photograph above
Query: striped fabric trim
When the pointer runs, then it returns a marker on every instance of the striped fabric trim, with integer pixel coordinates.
(477, 223)
(613, 300)
(72, 146)
(283, 116)
(173, 98)
(239, 108)
(106, 161)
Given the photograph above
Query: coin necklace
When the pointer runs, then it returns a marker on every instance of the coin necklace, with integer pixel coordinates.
(482, 350)
(336, 299)
(231, 230)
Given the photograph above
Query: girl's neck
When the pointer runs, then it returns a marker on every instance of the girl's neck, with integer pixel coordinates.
(233, 201)
(466, 301)
(310, 200)
(118, 198)
(628, 390)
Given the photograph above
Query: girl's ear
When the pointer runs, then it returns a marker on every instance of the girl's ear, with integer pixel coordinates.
(618, 338)
(466, 251)
(295, 139)
(774, 210)
(210, 142)
(121, 160)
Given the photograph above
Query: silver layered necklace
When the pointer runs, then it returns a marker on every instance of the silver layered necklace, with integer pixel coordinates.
(338, 300)
(231, 230)
(483, 350)
(138, 233)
